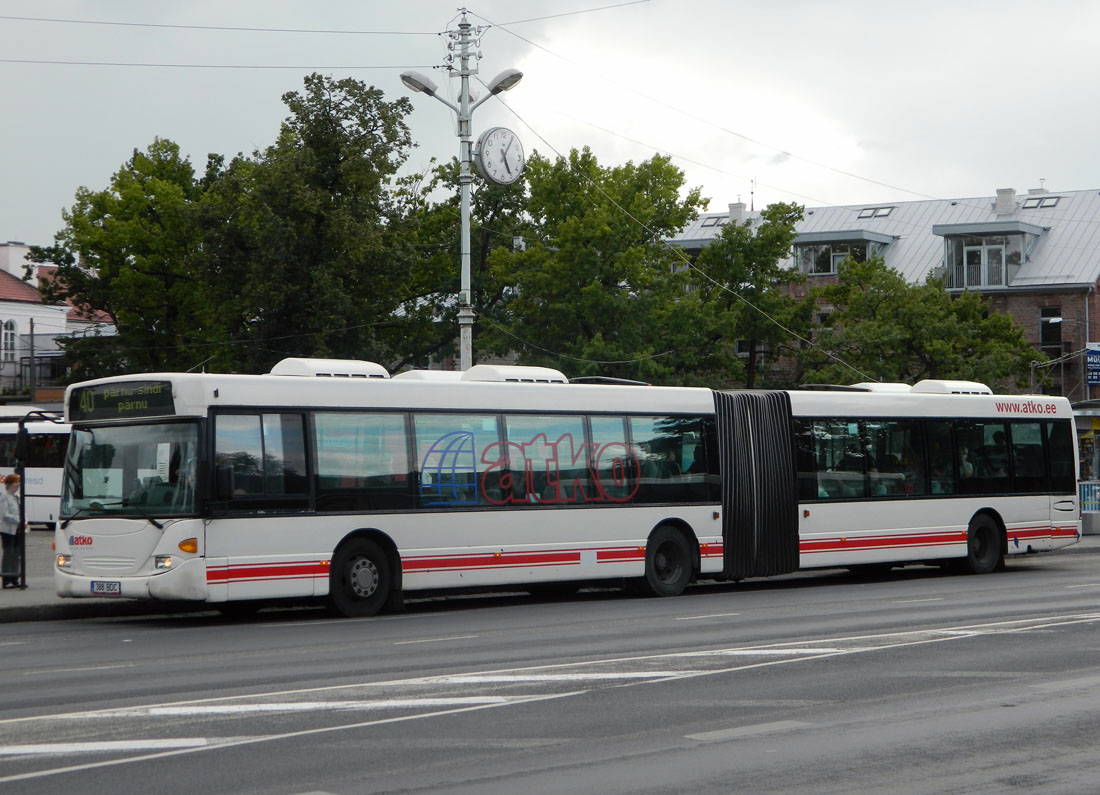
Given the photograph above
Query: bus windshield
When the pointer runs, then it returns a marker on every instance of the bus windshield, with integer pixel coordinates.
(136, 470)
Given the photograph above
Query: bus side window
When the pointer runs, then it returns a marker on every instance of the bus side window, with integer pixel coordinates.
(941, 457)
(1028, 470)
(660, 443)
(266, 456)
(362, 461)
(808, 486)
(454, 452)
(1061, 457)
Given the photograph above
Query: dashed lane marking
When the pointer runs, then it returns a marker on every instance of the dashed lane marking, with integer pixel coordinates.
(748, 731)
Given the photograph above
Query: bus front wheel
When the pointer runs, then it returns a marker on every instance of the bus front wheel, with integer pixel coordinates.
(668, 564)
(359, 580)
(984, 552)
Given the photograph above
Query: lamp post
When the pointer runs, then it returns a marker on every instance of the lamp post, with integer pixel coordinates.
(464, 110)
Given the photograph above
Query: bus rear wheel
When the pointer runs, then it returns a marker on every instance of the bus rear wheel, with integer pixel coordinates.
(984, 552)
(360, 579)
(668, 563)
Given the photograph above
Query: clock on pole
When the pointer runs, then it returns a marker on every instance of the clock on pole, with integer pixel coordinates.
(499, 156)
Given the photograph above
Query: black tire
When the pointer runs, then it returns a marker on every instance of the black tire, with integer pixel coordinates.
(360, 579)
(668, 563)
(984, 551)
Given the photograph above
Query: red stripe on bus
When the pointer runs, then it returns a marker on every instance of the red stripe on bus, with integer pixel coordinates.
(621, 555)
(882, 542)
(270, 571)
(504, 560)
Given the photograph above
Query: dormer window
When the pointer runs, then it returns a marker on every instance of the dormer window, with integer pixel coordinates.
(820, 253)
(875, 212)
(823, 258)
(711, 220)
(985, 254)
(1039, 202)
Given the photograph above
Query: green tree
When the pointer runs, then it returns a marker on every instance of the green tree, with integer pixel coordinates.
(745, 294)
(300, 253)
(890, 330)
(596, 283)
(129, 251)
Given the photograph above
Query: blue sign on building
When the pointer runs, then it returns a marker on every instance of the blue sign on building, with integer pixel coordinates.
(1092, 363)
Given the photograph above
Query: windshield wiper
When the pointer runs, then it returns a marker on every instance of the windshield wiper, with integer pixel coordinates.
(67, 519)
(101, 507)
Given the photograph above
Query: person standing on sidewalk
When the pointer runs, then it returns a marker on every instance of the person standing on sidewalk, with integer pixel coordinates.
(9, 528)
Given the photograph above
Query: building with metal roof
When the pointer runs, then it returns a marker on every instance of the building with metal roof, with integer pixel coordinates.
(1036, 256)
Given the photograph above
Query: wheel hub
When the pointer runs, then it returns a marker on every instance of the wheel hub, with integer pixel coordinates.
(363, 577)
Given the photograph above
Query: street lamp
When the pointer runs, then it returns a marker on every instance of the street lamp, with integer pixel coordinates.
(464, 110)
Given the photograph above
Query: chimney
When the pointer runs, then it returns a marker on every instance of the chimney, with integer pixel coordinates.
(1006, 201)
(737, 212)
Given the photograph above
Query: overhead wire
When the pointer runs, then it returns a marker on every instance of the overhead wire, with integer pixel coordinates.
(709, 122)
(679, 254)
(130, 64)
(237, 29)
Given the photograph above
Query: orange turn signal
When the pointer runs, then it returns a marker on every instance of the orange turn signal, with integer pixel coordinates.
(189, 545)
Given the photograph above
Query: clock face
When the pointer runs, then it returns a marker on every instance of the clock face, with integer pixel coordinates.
(499, 156)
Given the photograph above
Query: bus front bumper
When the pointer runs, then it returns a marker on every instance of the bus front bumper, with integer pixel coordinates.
(186, 581)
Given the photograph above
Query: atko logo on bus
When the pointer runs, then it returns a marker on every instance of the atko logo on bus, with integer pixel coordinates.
(80, 541)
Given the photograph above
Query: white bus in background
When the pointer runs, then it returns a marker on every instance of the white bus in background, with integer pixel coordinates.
(42, 470)
(334, 481)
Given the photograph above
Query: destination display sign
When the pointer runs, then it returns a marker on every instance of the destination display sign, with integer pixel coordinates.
(119, 401)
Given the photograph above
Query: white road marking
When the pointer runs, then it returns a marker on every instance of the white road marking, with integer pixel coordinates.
(866, 643)
(776, 652)
(104, 746)
(76, 670)
(433, 640)
(712, 615)
(12, 642)
(479, 679)
(1086, 585)
(916, 601)
(748, 731)
(301, 706)
(268, 738)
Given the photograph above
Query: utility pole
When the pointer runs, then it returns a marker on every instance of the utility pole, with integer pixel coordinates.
(465, 180)
(464, 40)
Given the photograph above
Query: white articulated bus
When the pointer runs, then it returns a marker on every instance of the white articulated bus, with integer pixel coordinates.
(41, 470)
(357, 488)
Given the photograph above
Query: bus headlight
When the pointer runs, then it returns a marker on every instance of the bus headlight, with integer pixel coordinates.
(162, 562)
(64, 561)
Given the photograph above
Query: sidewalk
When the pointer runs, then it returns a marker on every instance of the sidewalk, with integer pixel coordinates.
(39, 601)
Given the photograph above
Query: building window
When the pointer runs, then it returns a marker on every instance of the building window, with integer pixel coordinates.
(823, 258)
(875, 212)
(8, 341)
(983, 261)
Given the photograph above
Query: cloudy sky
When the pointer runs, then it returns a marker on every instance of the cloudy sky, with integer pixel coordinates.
(839, 102)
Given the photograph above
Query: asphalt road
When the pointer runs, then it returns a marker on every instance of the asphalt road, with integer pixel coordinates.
(914, 682)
